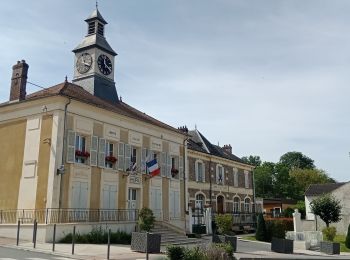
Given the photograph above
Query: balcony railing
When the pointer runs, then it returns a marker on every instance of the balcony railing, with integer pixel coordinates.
(69, 215)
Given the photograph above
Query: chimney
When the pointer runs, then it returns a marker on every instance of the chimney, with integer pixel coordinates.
(227, 148)
(19, 81)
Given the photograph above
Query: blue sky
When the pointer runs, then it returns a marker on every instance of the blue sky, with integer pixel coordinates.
(267, 77)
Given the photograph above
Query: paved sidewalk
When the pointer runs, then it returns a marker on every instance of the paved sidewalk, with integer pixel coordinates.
(81, 251)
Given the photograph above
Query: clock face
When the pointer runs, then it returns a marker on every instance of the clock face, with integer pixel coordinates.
(104, 64)
(84, 63)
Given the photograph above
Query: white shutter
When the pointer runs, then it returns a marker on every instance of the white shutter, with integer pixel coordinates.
(102, 153)
(70, 146)
(121, 157)
(93, 150)
(196, 170)
(168, 165)
(164, 165)
(181, 168)
(127, 156)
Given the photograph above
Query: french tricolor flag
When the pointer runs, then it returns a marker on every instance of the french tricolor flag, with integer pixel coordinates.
(153, 167)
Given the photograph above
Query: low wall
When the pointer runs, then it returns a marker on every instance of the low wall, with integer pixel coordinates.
(45, 232)
(341, 226)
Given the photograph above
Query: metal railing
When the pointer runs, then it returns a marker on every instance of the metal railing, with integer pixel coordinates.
(68, 215)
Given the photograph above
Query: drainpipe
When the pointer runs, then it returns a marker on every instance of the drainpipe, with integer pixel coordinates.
(61, 170)
(254, 211)
(184, 177)
(210, 189)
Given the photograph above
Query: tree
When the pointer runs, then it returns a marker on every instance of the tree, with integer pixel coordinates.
(252, 160)
(297, 160)
(284, 185)
(264, 179)
(305, 177)
(328, 208)
(261, 234)
(347, 240)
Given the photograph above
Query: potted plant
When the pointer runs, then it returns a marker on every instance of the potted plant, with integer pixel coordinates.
(224, 224)
(174, 172)
(111, 159)
(328, 246)
(144, 241)
(83, 154)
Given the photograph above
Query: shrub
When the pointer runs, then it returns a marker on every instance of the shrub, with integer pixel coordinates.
(278, 228)
(329, 233)
(227, 247)
(194, 254)
(175, 252)
(260, 234)
(146, 219)
(224, 223)
(98, 236)
(288, 212)
(347, 240)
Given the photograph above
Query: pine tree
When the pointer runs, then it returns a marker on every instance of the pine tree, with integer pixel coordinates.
(347, 240)
(260, 234)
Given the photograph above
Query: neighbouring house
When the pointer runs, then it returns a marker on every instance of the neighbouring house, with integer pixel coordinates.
(217, 178)
(340, 191)
(75, 152)
(275, 207)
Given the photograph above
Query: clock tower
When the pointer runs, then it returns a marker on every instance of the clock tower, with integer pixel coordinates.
(94, 61)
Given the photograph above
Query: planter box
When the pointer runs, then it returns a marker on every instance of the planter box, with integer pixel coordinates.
(226, 239)
(138, 242)
(199, 229)
(280, 245)
(330, 248)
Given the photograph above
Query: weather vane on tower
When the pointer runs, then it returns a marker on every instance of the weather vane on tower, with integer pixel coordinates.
(96, 4)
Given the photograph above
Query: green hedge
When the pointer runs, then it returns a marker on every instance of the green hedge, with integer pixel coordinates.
(99, 236)
(278, 228)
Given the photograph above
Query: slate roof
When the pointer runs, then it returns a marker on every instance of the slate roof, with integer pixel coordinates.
(216, 150)
(76, 92)
(95, 40)
(319, 189)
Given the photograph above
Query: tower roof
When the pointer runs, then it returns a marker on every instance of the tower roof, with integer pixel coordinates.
(95, 40)
(96, 15)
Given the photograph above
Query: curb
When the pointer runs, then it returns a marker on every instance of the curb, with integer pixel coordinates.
(252, 241)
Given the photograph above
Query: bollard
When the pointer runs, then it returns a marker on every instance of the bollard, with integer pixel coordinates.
(18, 228)
(147, 245)
(73, 240)
(35, 232)
(109, 244)
(54, 238)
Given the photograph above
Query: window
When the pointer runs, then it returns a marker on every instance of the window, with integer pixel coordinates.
(235, 177)
(199, 205)
(219, 175)
(91, 29)
(199, 168)
(100, 29)
(236, 202)
(80, 149)
(246, 205)
(175, 167)
(246, 179)
(110, 158)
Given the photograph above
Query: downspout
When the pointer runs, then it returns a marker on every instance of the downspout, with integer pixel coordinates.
(184, 177)
(254, 211)
(210, 189)
(63, 153)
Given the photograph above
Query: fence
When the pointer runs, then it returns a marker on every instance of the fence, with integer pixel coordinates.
(54, 215)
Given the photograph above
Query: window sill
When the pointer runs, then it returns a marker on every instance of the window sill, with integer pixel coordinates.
(82, 165)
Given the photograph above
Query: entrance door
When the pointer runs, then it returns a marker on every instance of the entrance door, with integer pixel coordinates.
(132, 203)
(156, 203)
(220, 204)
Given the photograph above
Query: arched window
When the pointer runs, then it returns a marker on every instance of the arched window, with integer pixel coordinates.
(236, 203)
(246, 205)
(200, 201)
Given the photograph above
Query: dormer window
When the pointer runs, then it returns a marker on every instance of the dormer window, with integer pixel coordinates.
(91, 29)
(100, 29)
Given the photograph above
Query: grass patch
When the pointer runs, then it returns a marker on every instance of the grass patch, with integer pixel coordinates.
(251, 238)
(341, 239)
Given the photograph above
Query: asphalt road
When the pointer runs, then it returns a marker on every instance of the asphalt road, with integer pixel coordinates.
(251, 247)
(20, 254)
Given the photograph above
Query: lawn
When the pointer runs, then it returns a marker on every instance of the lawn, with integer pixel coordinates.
(251, 238)
(341, 239)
